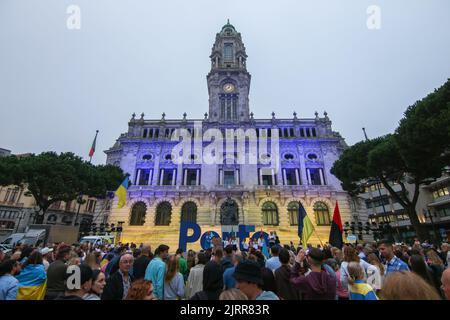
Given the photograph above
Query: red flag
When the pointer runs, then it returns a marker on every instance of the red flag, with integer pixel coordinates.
(91, 152)
(336, 229)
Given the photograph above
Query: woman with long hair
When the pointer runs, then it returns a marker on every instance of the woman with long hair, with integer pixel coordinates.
(351, 255)
(141, 290)
(436, 266)
(375, 272)
(93, 260)
(419, 267)
(98, 284)
(174, 280)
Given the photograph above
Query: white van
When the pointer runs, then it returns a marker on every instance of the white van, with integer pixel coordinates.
(34, 237)
(12, 240)
(97, 240)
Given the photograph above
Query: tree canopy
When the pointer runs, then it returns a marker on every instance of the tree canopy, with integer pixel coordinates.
(50, 177)
(416, 153)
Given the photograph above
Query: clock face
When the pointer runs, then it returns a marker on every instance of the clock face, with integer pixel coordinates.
(228, 87)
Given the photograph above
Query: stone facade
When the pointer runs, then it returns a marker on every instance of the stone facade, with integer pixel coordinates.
(305, 151)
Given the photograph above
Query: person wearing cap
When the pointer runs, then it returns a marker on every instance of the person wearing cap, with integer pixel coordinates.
(317, 284)
(77, 293)
(45, 251)
(156, 271)
(249, 280)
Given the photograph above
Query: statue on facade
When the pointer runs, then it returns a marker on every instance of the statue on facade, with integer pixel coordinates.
(229, 212)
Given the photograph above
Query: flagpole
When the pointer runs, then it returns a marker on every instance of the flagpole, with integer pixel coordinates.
(80, 197)
(321, 243)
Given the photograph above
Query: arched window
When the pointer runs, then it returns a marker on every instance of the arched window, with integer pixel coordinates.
(138, 212)
(293, 213)
(163, 214)
(322, 214)
(270, 214)
(189, 212)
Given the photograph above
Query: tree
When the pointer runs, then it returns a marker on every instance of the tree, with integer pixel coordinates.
(50, 177)
(417, 154)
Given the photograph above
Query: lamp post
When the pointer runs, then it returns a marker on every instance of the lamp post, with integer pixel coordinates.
(437, 235)
(37, 213)
(21, 216)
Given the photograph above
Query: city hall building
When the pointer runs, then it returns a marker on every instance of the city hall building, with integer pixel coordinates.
(219, 195)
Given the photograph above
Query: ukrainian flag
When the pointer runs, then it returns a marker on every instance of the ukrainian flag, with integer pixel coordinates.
(121, 193)
(305, 226)
(308, 229)
(32, 282)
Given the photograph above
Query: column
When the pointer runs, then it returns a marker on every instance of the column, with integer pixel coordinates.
(260, 176)
(220, 177)
(197, 178)
(161, 177)
(322, 181)
(284, 177)
(308, 175)
(185, 177)
(273, 176)
(138, 177)
(236, 177)
(297, 176)
(174, 175)
(156, 169)
(150, 176)
(304, 179)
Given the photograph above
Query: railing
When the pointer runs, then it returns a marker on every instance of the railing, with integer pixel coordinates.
(175, 187)
(12, 204)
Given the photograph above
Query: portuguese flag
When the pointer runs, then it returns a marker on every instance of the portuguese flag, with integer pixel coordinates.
(92, 150)
(336, 229)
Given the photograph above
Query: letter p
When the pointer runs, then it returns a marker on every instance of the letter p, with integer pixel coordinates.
(184, 238)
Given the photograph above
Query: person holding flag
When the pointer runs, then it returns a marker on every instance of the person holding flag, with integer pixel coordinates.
(336, 229)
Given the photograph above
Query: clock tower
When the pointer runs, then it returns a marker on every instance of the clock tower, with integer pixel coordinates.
(228, 80)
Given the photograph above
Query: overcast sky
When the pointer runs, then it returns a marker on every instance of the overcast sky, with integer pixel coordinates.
(57, 86)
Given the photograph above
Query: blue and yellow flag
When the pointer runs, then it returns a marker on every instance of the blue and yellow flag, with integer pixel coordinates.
(308, 229)
(121, 192)
(32, 282)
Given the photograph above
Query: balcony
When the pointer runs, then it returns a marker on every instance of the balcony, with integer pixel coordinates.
(11, 204)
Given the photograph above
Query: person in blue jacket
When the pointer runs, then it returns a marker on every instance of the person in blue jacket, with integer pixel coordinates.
(156, 271)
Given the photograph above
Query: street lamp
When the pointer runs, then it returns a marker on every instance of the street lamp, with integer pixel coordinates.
(37, 213)
(437, 235)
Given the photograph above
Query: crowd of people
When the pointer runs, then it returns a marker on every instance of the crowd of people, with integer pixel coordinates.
(363, 271)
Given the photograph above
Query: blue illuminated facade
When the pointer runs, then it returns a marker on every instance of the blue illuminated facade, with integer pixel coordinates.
(229, 193)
